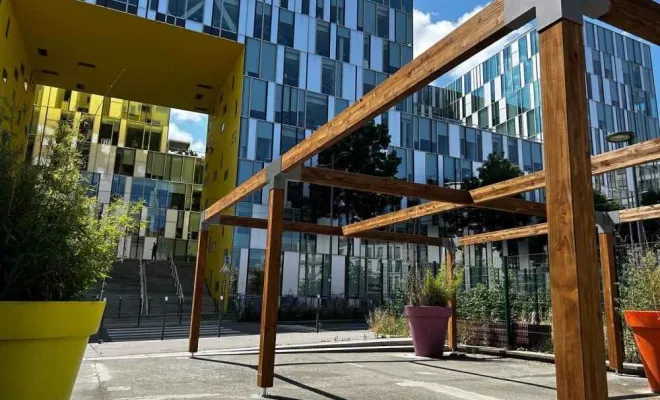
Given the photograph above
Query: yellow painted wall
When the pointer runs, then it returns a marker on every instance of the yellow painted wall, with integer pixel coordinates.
(221, 170)
(16, 85)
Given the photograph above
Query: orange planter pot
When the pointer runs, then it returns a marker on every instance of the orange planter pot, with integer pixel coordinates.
(646, 330)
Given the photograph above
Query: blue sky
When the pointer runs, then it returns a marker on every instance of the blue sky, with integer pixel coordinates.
(432, 19)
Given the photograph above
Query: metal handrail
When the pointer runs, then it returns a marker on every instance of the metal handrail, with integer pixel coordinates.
(175, 275)
(143, 290)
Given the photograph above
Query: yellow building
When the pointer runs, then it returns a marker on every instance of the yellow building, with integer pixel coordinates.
(97, 56)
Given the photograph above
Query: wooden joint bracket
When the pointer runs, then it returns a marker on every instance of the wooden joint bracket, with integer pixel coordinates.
(605, 221)
(517, 13)
(277, 179)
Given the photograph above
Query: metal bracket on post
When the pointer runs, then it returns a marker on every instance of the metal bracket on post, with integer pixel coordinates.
(517, 13)
(276, 178)
(451, 244)
(605, 221)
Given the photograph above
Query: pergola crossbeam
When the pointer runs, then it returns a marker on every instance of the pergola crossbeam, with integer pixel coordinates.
(497, 194)
(306, 227)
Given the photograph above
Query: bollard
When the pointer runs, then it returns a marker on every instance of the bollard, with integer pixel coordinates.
(100, 334)
(140, 311)
(220, 314)
(162, 331)
(318, 311)
(180, 311)
(119, 310)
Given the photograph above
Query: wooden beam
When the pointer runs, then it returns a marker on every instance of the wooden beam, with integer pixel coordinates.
(625, 157)
(490, 196)
(452, 330)
(305, 227)
(468, 39)
(198, 291)
(388, 186)
(519, 206)
(639, 214)
(610, 294)
(505, 234)
(577, 323)
(639, 17)
(271, 294)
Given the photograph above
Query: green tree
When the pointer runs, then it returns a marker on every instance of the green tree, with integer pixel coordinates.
(55, 241)
(603, 204)
(495, 169)
(366, 152)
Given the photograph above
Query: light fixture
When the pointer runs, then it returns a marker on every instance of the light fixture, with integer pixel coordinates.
(621, 137)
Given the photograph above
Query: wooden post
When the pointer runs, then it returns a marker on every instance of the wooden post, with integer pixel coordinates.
(577, 322)
(452, 341)
(198, 291)
(612, 320)
(271, 294)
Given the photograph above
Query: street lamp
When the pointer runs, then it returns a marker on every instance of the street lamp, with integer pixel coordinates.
(628, 137)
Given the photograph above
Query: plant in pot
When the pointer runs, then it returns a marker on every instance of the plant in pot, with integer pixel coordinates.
(428, 297)
(640, 302)
(56, 242)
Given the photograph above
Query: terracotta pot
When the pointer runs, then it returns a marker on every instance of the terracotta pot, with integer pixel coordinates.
(646, 330)
(429, 329)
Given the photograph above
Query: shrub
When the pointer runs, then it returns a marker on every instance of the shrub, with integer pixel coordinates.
(55, 242)
(384, 323)
(640, 284)
(430, 290)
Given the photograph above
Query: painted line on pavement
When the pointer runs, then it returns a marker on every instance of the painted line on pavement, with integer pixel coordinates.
(176, 396)
(447, 390)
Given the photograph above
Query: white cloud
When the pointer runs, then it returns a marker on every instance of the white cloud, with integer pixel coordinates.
(176, 133)
(198, 147)
(189, 116)
(427, 32)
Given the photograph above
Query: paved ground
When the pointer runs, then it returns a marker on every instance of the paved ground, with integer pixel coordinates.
(162, 370)
(330, 376)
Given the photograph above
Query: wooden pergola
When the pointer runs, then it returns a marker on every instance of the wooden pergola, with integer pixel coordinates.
(578, 340)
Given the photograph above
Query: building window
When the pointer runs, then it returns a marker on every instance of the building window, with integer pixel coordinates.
(471, 144)
(290, 106)
(230, 12)
(431, 169)
(258, 98)
(286, 28)
(252, 57)
(290, 137)
(366, 51)
(383, 22)
(337, 11)
(269, 60)
(317, 111)
(512, 144)
(262, 21)
(369, 17)
(443, 138)
(291, 67)
(331, 77)
(343, 44)
(323, 38)
(319, 9)
(264, 142)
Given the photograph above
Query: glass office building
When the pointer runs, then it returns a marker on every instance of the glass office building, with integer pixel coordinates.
(127, 156)
(307, 60)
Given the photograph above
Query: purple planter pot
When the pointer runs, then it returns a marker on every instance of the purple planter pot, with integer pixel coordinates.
(429, 329)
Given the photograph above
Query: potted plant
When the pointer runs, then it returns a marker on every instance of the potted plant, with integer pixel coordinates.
(428, 297)
(640, 300)
(56, 242)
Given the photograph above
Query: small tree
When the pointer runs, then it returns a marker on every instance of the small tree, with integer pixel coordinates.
(495, 169)
(366, 151)
(55, 241)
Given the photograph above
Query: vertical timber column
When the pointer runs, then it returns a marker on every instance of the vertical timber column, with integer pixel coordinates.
(577, 322)
(612, 320)
(452, 341)
(271, 295)
(198, 291)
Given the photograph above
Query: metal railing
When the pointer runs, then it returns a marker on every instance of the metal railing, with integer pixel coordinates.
(177, 285)
(144, 298)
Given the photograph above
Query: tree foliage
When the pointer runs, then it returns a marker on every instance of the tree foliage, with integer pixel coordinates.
(366, 151)
(55, 241)
(603, 204)
(495, 169)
